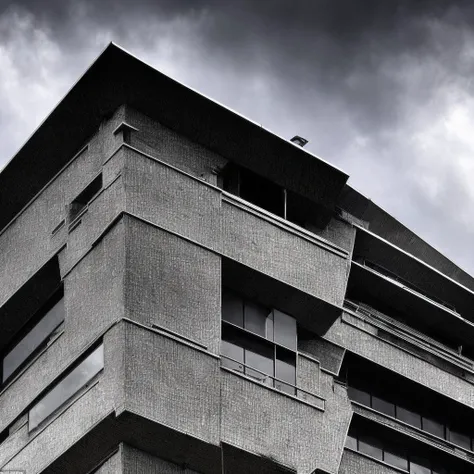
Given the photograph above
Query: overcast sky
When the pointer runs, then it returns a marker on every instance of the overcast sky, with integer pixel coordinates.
(382, 88)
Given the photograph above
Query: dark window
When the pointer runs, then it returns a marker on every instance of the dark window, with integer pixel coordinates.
(262, 192)
(419, 465)
(371, 446)
(255, 318)
(234, 355)
(433, 427)
(395, 457)
(232, 309)
(259, 356)
(351, 442)
(285, 370)
(66, 388)
(383, 406)
(408, 416)
(81, 201)
(247, 342)
(399, 451)
(359, 396)
(272, 197)
(4, 435)
(284, 329)
(460, 439)
(34, 336)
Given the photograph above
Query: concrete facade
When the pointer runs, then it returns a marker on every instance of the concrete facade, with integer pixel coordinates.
(142, 269)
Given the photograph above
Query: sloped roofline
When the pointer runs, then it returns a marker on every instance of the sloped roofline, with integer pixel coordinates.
(115, 78)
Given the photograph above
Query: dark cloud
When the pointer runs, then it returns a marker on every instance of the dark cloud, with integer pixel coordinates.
(377, 86)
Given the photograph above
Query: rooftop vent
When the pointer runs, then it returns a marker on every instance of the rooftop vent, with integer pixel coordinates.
(299, 140)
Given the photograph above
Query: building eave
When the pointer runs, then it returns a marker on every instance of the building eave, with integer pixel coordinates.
(117, 78)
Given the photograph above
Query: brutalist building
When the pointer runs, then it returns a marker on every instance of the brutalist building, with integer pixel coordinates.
(182, 291)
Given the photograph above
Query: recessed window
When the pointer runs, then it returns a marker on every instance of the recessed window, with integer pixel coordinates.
(371, 446)
(66, 388)
(359, 396)
(432, 426)
(80, 203)
(461, 439)
(400, 452)
(410, 417)
(390, 398)
(270, 196)
(383, 406)
(259, 341)
(35, 336)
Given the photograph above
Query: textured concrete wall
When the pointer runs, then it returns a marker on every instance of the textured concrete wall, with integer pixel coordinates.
(283, 255)
(172, 383)
(354, 463)
(308, 374)
(170, 147)
(339, 232)
(172, 200)
(328, 354)
(28, 242)
(136, 461)
(153, 273)
(93, 300)
(113, 465)
(173, 283)
(268, 423)
(36, 450)
(356, 336)
(185, 206)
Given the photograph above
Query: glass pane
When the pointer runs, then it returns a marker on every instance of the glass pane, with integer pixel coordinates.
(351, 442)
(460, 439)
(285, 329)
(396, 458)
(410, 417)
(419, 465)
(260, 357)
(441, 470)
(256, 318)
(67, 387)
(233, 352)
(370, 446)
(269, 328)
(359, 396)
(33, 339)
(262, 192)
(383, 406)
(285, 370)
(232, 308)
(433, 427)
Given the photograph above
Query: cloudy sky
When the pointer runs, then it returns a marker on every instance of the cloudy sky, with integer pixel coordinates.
(382, 89)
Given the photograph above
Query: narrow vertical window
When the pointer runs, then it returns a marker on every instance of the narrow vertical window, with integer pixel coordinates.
(80, 203)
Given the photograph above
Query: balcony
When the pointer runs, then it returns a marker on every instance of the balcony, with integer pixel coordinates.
(413, 274)
(391, 295)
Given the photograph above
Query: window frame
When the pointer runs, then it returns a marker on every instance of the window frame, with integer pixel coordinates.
(250, 336)
(57, 381)
(55, 297)
(80, 204)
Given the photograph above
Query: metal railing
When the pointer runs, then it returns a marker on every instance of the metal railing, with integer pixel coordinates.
(271, 381)
(405, 283)
(411, 334)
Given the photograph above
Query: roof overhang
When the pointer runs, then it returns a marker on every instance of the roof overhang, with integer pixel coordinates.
(415, 271)
(117, 78)
(372, 286)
